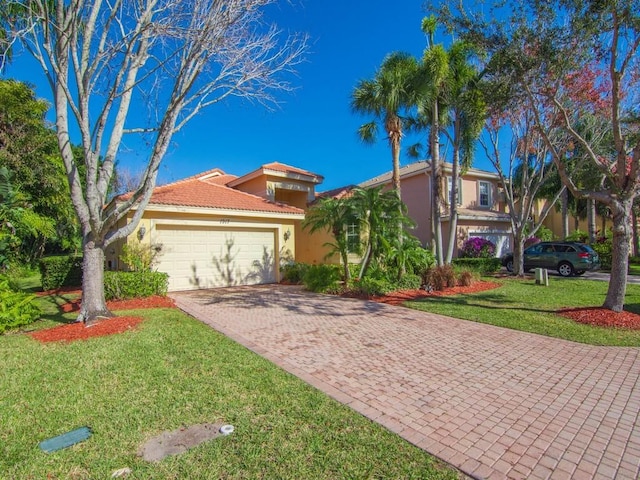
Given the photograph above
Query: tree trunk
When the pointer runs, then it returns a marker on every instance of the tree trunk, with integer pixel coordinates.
(591, 219)
(634, 230)
(620, 256)
(94, 307)
(518, 252)
(453, 207)
(564, 204)
(436, 185)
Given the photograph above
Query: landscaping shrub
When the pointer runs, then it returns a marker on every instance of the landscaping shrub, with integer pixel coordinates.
(322, 278)
(60, 271)
(476, 247)
(140, 257)
(16, 308)
(484, 266)
(371, 287)
(441, 277)
(577, 236)
(604, 247)
(293, 272)
(124, 285)
(409, 281)
(465, 278)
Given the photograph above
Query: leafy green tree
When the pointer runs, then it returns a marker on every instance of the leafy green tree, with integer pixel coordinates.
(569, 59)
(28, 148)
(19, 224)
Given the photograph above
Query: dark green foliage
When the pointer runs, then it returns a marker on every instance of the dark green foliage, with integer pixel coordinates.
(123, 285)
(16, 308)
(604, 247)
(441, 277)
(60, 271)
(293, 272)
(484, 266)
(372, 287)
(409, 281)
(322, 278)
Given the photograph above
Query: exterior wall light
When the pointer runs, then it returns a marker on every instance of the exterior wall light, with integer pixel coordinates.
(287, 235)
(141, 231)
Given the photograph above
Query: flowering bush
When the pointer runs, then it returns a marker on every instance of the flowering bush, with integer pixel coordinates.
(476, 247)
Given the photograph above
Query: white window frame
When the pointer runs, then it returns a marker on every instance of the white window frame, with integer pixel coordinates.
(489, 193)
(352, 232)
(449, 182)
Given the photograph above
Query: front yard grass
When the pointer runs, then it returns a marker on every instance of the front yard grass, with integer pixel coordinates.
(174, 371)
(523, 305)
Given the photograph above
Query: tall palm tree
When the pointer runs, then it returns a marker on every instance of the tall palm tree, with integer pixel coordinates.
(431, 86)
(467, 114)
(387, 96)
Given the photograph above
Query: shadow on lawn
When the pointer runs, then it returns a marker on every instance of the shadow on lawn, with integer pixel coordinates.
(51, 306)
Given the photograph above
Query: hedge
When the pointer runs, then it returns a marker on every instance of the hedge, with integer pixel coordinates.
(482, 265)
(124, 285)
(60, 271)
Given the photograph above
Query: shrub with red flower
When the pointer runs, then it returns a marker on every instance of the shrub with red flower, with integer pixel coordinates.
(476, 247)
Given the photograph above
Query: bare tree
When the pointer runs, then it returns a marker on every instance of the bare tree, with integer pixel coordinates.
(528, 168)
(105, 59)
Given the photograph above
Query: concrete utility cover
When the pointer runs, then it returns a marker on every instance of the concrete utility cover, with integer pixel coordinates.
(178, 441)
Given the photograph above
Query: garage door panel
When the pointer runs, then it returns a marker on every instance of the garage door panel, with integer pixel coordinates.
(207, 258)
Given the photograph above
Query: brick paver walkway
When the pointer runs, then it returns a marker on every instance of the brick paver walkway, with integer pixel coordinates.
(495, 403)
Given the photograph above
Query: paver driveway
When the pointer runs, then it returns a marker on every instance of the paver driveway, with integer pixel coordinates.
(493, 402)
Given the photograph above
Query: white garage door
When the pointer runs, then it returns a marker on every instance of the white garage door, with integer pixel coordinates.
(196, 257)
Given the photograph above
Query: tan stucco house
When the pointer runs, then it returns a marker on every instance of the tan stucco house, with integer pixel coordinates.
(481, 211)
(216, 229)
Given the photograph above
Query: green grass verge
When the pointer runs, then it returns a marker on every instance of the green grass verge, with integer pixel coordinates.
(175, 371)
(523, 305)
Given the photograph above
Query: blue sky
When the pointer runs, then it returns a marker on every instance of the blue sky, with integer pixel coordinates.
(314, 127)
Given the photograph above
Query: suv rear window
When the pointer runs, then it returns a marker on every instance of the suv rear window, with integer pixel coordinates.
(587, 248)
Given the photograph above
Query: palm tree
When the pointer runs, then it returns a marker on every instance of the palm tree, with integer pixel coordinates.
(333, 215)
(387, 96)
(434, 76)
(467, 114)
(382, 217)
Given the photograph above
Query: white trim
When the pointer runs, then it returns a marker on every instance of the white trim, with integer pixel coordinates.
(222, 212)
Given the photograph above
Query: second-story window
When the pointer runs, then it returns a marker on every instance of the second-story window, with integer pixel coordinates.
(484, 194)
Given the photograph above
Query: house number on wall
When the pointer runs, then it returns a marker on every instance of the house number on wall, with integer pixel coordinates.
(224, 221)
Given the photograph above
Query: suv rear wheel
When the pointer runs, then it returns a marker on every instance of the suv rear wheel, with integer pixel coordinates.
(565, 269)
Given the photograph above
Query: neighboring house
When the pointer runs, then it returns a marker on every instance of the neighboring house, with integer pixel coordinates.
(215, 229)
(481, 211)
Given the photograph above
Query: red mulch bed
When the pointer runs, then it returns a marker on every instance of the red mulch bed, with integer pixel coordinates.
(77, 331)
(111, 326)
(602, 317)
(401, 296)
(155, 301)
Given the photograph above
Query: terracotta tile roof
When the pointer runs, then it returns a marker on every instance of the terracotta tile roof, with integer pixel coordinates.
(281, 167)
(338, 193)
(209, 190)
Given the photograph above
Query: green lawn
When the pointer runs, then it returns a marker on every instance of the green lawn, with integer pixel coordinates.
(175, 371)
(522, 305)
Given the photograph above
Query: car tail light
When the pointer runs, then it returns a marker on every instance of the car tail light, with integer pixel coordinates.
(583, 255)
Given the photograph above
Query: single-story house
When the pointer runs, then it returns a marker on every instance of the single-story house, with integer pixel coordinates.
(216, 229)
